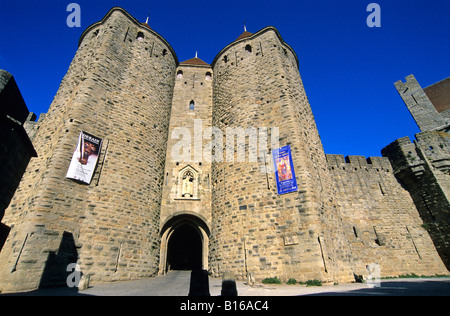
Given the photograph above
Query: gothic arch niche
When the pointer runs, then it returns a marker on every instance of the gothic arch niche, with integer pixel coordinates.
(184, 244)
(187, 187)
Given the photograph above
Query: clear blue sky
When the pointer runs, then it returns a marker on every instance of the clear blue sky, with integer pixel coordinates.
(348, 69)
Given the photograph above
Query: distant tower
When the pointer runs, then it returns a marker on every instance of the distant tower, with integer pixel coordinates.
(185, 177)
(119, 87)
(16, 149)
(423, 166)
(420, 106)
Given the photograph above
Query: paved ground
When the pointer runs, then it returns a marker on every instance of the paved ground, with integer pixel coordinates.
(177, 283)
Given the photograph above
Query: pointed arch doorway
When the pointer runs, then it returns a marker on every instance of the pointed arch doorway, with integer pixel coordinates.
(184, 249)
(184, 244)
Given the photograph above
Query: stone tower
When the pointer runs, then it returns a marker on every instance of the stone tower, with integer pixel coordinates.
(185, 176)
(16, 148)
(256, 231)
(423, 166)
(186, 204)
(420, 106)
(119, 87)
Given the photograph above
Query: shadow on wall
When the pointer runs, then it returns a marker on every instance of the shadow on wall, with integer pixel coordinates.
(4, 232)
(55, 272)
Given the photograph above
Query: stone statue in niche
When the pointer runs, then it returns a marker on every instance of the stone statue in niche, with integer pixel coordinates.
(188, 184)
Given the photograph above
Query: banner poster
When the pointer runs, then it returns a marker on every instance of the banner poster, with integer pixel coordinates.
(284, 170)
(84, 159)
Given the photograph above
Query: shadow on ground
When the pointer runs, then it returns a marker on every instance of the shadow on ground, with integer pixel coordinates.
(180, 284)
(399, 288)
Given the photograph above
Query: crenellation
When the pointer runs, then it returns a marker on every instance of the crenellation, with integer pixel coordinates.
(420, 106)
(358, 162)
(166, 195)
(422, 167)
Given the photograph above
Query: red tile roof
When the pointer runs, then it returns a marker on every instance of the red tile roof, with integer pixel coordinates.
(194, 61)
(244, 35)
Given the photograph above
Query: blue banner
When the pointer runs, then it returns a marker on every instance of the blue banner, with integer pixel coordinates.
(284, 170)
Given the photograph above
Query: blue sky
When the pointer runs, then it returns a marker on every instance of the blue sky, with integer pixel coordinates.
(348, 69)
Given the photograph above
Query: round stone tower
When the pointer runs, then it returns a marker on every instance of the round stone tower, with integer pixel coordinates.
(119, 88)
(258, 89)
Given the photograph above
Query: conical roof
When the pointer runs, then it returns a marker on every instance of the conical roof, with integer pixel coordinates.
(244, 35)
(195, 61)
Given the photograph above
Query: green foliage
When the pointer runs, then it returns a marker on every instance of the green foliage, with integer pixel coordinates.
(313, 283)
(415, 276)
(291, 281)
(274, 280)
(408, 276)
(426, 226)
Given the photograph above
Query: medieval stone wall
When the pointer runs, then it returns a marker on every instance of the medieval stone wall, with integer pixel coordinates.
(257, 85)
(423, 168)
(187, 178)
(119, 87)
(380, 220)
(125, 86)
(188, 124)
(16, 149)
(422, 109)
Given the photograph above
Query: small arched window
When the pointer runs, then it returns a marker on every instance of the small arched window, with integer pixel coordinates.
(140, 36)
(192, 105)
(208, 76)
(248, 48)
(180, 74)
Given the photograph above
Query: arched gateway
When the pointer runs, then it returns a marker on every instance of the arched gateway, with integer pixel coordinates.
(184, 244)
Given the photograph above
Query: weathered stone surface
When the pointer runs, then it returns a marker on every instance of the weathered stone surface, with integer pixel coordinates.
(119, 89)
(423, 166)
(125, 85)
(422, 109)
(423, 169)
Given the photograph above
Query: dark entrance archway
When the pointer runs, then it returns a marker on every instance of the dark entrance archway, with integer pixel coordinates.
(184, 251)
(184, 243)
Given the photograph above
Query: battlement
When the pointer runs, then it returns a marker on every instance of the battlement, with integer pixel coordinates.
(359, 162)
(146, 212)
(129, 35)
(261, 50)
(430, 147)
(423, 168)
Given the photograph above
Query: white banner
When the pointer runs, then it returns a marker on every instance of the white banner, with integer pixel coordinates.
(85, 158)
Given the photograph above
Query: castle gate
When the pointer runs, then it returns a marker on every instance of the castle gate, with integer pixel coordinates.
(184, 244)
